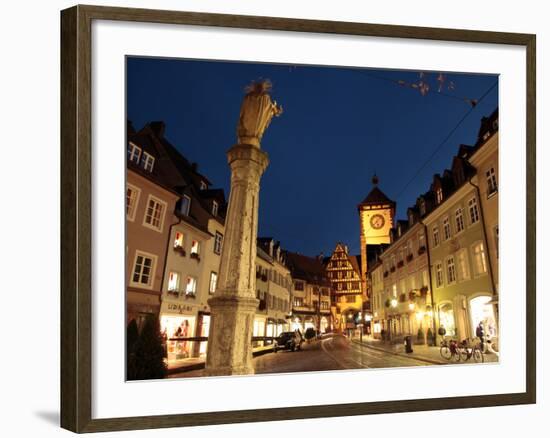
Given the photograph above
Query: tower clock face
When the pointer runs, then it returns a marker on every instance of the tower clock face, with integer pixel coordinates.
(377, 221)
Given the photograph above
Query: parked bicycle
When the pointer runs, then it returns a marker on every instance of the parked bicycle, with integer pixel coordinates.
(449, 350)
(468, 349)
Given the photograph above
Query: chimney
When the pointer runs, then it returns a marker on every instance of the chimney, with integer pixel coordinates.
(158, 128)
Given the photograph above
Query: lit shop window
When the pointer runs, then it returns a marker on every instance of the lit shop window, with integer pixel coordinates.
(447, 319)
(482, 312)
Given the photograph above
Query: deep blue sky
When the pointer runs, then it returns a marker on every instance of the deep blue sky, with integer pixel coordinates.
(339, 126)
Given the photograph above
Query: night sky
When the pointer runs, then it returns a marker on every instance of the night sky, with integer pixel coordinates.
(339, 127)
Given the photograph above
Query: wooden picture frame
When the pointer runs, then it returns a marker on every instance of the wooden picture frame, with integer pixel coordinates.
(76, 238)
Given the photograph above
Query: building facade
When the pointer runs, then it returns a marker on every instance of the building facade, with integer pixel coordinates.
(273, 290)
(149, 216)
(343, 272)
(401, 297)
(310, 293)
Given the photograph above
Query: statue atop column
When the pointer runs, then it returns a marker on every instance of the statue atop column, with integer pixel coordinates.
(257, 110)
(234, 303)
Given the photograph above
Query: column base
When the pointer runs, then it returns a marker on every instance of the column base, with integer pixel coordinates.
(230, 340)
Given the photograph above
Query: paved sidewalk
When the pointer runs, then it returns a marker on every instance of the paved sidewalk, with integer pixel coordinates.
(198, 363)
(420, 352)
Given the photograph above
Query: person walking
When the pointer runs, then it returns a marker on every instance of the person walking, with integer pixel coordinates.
(480, 333)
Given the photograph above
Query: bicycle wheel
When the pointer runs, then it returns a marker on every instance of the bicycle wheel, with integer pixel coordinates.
(456, 356)
(478, 355)
(445, 352)
(465, 354)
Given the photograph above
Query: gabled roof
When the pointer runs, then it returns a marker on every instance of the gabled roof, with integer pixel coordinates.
(306, 268)
(376, 196)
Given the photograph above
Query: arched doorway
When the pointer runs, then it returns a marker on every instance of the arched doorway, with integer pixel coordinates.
(482, 311)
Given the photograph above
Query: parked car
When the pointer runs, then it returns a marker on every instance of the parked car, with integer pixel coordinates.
(289, 341)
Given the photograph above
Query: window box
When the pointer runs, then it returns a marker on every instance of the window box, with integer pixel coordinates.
(392, 269)
(424, 291)
(402, 298)
(400, 264)
(387, 303)
(195, 256)
(190, 295)
(180, 250)
(173, 293)
(264, 277)
(412, 295)
(386, 273)
(409, 258)
(421, 250)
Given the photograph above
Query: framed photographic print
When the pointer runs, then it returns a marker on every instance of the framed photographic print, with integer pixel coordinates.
(268, 219)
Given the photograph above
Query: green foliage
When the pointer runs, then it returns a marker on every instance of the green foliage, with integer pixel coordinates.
(145, 360)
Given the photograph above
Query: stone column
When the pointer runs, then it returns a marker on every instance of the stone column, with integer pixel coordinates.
(234, 304)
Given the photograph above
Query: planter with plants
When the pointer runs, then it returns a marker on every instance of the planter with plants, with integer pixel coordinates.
(195, 256)
(421, 250)
(409, 258)
(179, 249)
(402, 298)
(387, 303)
(400, 264)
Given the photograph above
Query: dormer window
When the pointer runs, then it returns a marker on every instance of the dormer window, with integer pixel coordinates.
(439, 195)
(214, 208)
(147, 161)
(422, 207)
(203, 186)
(185, 205)
(486, 135)
(134, 153)
(411, 218)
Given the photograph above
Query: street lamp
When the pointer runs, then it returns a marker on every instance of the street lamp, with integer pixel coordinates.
(394, 302)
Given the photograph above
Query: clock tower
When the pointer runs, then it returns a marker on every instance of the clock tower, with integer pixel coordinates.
(376, 215)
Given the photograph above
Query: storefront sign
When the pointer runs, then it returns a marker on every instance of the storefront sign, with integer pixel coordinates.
(180, 308)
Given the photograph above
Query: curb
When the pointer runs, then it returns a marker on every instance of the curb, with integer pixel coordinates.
(201, 365)
(421, 358)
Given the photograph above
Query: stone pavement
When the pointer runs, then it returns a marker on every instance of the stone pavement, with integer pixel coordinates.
(420, 352)
(197, 363)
